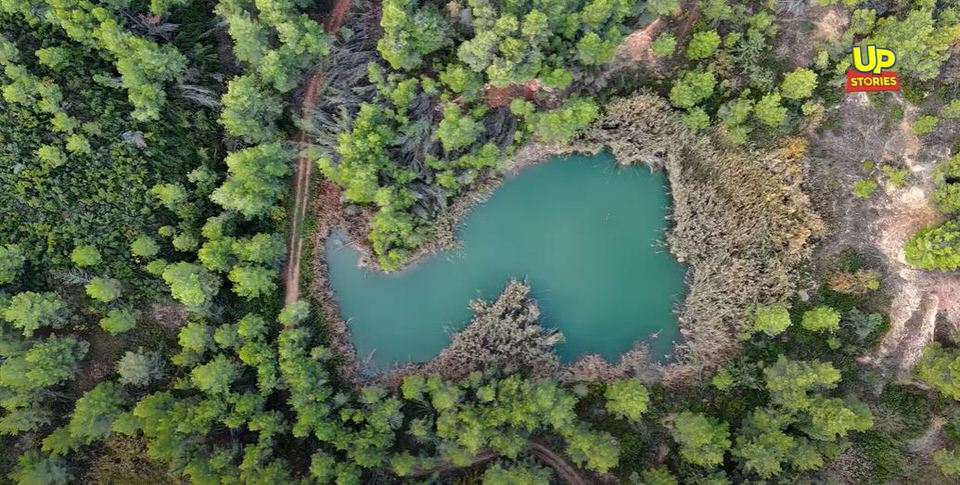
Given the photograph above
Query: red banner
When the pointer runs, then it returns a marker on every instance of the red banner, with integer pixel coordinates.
(860, 81)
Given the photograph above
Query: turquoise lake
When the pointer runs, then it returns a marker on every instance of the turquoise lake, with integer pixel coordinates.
(585, 234)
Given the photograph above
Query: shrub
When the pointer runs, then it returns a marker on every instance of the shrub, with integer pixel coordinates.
(771, 320)
(140, 368)
(925, 125)
(798, 84)
(769, 111)
(864, 187)
(144, 246)
(946, 179)
(703, 45)
(821, 318)
(103, 289)
(934, 247)
(85, 255)
(896, 177)
(664, 45)
(118, 321)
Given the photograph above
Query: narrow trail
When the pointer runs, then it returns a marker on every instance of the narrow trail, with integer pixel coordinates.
(565, 472)
(304, 170)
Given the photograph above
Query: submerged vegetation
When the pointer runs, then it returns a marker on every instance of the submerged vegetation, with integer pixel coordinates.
(146, 152)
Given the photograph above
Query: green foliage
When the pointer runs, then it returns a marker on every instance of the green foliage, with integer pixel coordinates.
(696, 119)
(768, 110)
(896, 177)
(496, 474)
(35, 468)
(594, 51)
(951, 110)
(948, 461)
(820, 319)
(771, 320)
(627, 398)
(702, 45)
(86, 255)
(118, 320)
(144, 246)
(798, 84)
(663, 7)
(457, 130)
(191, 284)
(934, 247)
(659, 476)
(28, 311)
(920, 39)
(252, 281)
(11, 260)
(410, 33)
(703, 440)
(924, 125)
(946, 180)
(215, 376)
(103, 289)
(139, 368)
(664, 45)
(255, 180)
(692, 88)
(940, 369)
(249, 111)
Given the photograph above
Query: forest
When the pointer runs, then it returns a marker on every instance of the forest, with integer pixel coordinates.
(166, 165)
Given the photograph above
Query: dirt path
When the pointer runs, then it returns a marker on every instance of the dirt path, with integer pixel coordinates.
(304, 170)
(565, 472)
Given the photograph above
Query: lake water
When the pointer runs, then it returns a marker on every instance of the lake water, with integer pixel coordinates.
(586, 235)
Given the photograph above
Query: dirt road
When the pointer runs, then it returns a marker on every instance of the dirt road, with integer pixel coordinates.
(304, 170)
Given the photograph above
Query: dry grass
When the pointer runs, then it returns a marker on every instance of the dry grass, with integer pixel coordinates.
(741, 221)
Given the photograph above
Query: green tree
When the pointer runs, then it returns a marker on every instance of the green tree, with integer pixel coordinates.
(249, 111)
(703, 440)
(924, 125)
(769, 111)
(12, 258)
(215, 376)
(948, 461)
(799, 83)
(94, 412)
(821, 318)
(790, 382)
(253, 281)
(594, 51)
(28, 311)
(772, 320)
(921, 40)
(627, 398)
(140, 368)
(703, 45)
(255, 178)
(658, 476)
(691, 88)
(103, 289)
(52, 361)
(86, 255)
(191, 284)
(144, 246)
(35, 468)
(410, 32)
(118, 320)
(457, 130)
(496, 474)
(664, 45)
(940, 368)
(934, 247)
(864, 188)
(663, 7)
(946, 180)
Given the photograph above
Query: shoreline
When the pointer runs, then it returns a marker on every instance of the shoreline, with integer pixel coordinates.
(331, 216)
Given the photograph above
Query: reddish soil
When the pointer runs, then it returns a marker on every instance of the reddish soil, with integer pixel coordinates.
(304, 169)
(498, 97)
